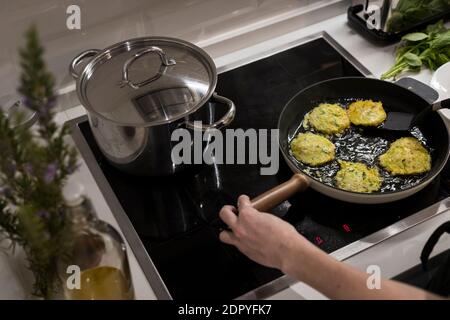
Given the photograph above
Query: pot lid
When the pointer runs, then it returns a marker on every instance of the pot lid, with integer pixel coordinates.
(147, 81)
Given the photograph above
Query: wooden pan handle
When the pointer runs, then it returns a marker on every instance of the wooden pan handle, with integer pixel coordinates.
(273, 197)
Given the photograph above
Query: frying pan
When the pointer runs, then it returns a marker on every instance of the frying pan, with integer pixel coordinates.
(433, 132)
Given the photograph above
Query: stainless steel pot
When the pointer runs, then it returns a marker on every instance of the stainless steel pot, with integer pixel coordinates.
(138, 91)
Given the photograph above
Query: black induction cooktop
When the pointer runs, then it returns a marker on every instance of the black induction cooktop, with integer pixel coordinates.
(176, 217)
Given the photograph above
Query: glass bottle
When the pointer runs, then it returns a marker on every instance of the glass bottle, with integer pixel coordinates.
(97, 268)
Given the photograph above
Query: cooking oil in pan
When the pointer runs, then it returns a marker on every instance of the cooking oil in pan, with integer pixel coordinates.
(364, 145)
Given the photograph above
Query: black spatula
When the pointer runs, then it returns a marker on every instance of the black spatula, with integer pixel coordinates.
(402, 121)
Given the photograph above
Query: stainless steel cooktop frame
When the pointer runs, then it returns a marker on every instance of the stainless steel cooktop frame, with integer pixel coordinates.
(269, 289)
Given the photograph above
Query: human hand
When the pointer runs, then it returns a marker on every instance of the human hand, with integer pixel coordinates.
(261, 236)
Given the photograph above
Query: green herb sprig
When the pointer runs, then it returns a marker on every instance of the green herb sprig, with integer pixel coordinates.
(430, 49)
(34, 166)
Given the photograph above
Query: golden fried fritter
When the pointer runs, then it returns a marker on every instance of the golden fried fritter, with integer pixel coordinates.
(312, 149)
(328, 118)
(358, 177)
(366, 113)
(406, 156)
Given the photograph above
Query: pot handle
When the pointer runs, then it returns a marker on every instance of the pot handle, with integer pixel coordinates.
(223, 122)
(165, 62)
(273, 197)
(83, 55)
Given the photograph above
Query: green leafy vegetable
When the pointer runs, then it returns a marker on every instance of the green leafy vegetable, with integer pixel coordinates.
(417, 36)
(412, 60)
(430, 49)
(409, 12)
(438, 27)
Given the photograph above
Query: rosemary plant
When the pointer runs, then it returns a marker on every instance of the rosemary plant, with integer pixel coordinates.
(34, 165)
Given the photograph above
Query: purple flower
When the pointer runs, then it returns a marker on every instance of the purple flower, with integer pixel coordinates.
(51, 103)
(44, 109)
(43, 214)
(50, 173)
(28, 168)
(6, 192)
(27, 102)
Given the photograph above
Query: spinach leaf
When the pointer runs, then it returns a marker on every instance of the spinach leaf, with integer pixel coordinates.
(412, 59)
(436, 28)
(409, 12)
(442, 40)
(430, 49)
(417, 36)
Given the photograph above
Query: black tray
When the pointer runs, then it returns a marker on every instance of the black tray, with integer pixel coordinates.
(384, 38)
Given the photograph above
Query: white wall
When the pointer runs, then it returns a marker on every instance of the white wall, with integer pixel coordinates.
(104, 22)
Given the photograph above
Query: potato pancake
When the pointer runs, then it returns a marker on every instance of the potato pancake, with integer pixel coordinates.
(366, 113)
(406, 156)
(328, 118)
(312, 149)
(358, 177)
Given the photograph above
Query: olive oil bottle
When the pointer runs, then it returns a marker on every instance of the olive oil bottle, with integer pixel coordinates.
(97, 268)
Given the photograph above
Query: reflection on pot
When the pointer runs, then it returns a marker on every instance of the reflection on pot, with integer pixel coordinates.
(137, 92)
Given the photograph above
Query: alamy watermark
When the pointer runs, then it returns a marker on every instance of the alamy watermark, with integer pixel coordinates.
(241, 147)
(373, 282)
(73, 20)
(73, 281)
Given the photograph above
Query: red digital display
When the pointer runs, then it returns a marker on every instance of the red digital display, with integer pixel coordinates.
(346, 228)
(318, 240)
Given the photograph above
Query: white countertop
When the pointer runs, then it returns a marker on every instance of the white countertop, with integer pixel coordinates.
(376, 59)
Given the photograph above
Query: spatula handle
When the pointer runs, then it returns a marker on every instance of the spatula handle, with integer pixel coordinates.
(444, 104)
(421, 116)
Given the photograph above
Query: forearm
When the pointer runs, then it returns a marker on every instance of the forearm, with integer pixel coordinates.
(345, 282)
(337, 280)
